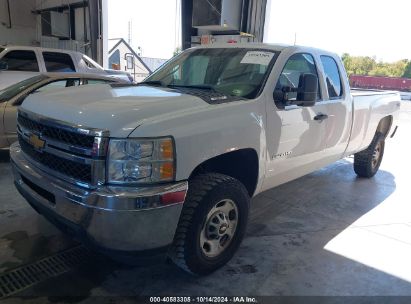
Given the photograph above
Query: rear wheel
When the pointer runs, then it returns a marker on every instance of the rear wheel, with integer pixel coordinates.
(212, 223)
(367, 162)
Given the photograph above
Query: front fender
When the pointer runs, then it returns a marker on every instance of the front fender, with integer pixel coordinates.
(211, 132)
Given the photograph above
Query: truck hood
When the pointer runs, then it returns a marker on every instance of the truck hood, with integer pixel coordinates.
(118, 109)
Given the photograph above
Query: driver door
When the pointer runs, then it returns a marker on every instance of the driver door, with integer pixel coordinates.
(296, 138)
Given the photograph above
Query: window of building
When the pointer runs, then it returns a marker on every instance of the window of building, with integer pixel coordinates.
(114, 60)
(130, 62)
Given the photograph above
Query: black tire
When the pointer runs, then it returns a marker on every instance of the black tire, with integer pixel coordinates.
(366, 163)
(204, 193)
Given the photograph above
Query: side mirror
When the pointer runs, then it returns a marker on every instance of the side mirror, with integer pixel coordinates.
(304, 95)
(3, 66)
(307, 90)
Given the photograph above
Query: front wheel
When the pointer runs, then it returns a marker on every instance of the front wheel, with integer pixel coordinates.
(367, 162)
(212, 223)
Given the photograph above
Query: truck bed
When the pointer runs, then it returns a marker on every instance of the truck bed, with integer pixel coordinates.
(364, 92)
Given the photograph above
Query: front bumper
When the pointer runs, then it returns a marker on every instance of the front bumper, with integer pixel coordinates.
(111, 218)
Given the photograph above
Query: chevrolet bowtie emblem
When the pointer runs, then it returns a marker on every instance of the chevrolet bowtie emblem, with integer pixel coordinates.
(36, 142)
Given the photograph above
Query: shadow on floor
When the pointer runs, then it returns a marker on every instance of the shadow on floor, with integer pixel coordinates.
(282, 254)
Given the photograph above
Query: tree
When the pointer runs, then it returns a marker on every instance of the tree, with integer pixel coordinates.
(407, 70)
(177, 51)
(361, 65)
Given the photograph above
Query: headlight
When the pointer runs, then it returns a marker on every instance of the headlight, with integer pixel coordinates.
(133, 161)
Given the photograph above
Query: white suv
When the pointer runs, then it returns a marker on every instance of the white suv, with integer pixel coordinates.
(18, 63)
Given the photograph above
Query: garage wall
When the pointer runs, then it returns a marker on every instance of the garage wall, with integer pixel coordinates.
(61, 24)
(25, 27)
(22, 29)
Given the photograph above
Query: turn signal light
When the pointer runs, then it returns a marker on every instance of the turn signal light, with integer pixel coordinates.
(166, 149)
(167, 171)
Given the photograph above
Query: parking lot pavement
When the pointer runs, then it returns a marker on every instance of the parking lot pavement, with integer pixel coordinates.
(328, 233)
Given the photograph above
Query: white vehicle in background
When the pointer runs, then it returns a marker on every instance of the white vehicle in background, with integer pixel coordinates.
(21, 62)
(13, 96)
(171, 164)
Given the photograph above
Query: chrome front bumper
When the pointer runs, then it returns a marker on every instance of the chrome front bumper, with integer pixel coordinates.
(111, 218)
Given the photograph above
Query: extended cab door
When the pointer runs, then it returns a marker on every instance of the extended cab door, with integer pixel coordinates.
(296, 135)
(338, 106)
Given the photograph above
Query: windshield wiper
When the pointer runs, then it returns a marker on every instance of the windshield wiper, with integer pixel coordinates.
(153, 83)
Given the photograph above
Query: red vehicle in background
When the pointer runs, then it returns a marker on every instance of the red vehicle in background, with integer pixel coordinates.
(381, 83)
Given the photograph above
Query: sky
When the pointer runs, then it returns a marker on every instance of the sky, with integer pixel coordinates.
(154, 25)
(378, 28)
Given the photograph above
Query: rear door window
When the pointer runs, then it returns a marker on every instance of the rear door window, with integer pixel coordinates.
(58, 62)
(20, 60)
(332, 77)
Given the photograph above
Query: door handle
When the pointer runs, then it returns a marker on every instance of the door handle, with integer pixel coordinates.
(321, 117)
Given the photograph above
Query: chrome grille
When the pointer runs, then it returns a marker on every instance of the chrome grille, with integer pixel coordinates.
(57, 133)
(72, 153)
(67, 167)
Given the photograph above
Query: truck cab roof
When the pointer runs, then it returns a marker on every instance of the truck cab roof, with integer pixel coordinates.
(30, 48)
(268, 46)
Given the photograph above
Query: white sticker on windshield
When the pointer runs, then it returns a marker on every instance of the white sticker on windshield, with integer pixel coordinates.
(257, 57)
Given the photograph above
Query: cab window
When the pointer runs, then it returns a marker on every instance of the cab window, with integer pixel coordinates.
(291, 76)
(21, 61)
(58, 62)
(332, 77)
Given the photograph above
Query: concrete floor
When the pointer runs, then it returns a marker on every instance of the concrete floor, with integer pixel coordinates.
(328, 233)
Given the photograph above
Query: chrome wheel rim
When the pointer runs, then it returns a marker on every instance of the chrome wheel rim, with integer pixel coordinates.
(376, 155)
(219, 228)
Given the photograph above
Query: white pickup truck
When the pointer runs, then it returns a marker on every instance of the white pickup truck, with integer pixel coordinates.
(170, 165)
(18, 63)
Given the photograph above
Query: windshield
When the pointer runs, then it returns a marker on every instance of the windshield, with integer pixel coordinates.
(91, 63)
(232, 71)
(19, 87)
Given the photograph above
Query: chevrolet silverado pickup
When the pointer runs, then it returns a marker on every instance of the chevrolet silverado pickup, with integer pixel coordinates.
(18, 63)
(170, 165)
